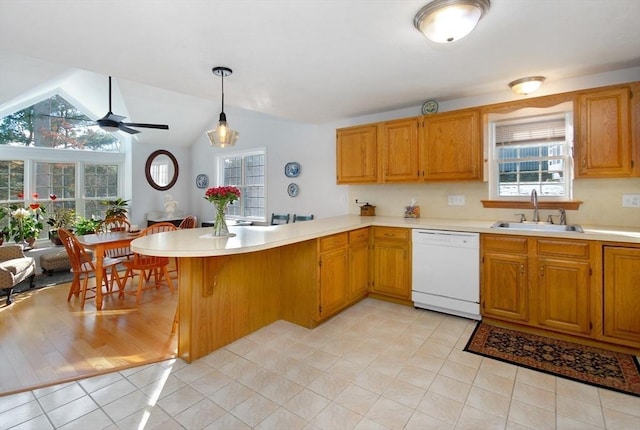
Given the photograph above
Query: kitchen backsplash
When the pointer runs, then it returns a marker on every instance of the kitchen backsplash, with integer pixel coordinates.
(602, 201)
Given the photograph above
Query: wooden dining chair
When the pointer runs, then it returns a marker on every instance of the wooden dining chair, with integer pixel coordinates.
(115, 224)
(280, 218)
(82, 267)
(148, 266)
(302, 217)
(189, 222)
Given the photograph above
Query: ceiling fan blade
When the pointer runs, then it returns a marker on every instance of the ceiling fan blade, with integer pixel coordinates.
(141, 125)
(126, 129)
(113, 117)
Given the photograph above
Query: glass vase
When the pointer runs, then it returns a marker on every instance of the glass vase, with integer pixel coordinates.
(220, 224)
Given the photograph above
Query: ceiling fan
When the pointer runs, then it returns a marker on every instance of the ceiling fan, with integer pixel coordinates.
(113, 122)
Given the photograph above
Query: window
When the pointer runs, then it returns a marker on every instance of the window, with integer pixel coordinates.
(54, 155)
(532, 153)
(245, 171)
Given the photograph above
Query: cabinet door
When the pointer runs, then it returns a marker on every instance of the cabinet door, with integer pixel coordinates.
(358, 271)
(452, 146)
(603, 144)
(392, 269)
(622, 293)
(358, 264)
(504, 286)
(563, 295)
(356, 155)
(333, 281)
(400, 151)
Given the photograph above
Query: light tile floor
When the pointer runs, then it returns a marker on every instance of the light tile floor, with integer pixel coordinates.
(375, 366)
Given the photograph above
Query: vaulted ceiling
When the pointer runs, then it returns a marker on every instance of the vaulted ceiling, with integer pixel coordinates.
(312, 61)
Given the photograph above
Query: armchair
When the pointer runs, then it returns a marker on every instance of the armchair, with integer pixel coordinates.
(15, 267)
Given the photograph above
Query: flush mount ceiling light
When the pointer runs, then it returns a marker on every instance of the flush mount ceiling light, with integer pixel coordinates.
(222, 136)
(526, 85)
(445, 21)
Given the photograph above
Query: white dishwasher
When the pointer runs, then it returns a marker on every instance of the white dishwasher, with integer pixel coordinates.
(446, 272)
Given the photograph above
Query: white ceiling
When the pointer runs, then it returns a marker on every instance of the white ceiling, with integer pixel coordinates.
(312, 61)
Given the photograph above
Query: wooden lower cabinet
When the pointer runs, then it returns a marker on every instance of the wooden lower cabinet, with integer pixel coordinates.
(392, 263)
(621, 295)
(358, 285)
(332, 273)
(543, 283)
(562, 285)
(584, 290)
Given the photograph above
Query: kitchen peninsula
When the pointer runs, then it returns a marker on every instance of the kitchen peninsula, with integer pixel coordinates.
(232, 286)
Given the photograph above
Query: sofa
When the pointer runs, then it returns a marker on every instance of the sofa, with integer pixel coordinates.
(15, 267)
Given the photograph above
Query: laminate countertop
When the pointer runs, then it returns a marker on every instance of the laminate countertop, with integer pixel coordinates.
(200, 242)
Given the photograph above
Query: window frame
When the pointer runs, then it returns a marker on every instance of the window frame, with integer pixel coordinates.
(493, 162)
(220, 179)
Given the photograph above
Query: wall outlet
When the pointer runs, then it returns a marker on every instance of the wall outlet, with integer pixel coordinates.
(456, 200)
(631, 201)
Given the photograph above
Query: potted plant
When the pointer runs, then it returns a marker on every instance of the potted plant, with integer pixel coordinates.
(26, 224)
(116, 208)
(86, 225)
(61, 218)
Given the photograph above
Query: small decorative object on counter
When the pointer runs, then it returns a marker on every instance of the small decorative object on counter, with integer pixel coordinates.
(221, 197)
(367, 210)
(412, 211)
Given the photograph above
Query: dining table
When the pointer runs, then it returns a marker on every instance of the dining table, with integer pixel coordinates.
(100, 243)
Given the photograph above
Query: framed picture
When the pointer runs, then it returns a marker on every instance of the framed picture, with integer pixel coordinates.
(202, 181)
(291, 170)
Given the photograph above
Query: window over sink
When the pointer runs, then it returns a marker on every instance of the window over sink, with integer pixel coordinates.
(531, 151)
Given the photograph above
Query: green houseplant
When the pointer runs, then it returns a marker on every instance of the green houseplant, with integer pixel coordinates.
(86, 225)
(61, 218)
(117, 208)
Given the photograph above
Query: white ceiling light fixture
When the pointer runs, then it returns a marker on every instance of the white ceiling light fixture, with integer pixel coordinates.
(445, 21)
(222, 136)
(526, 85)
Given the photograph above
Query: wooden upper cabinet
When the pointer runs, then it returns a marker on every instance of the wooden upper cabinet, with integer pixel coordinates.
(603, 146)
(357, 154)
(400, 155)
(452, 146)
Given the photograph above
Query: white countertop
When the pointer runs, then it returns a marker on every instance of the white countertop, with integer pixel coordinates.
(199, 242)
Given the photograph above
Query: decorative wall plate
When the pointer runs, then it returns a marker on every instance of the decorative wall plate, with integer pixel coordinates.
(292, 189)
(430, 107)
(291, 170)
(202, 181)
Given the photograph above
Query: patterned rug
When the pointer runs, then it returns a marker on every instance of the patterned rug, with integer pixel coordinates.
(602, 368)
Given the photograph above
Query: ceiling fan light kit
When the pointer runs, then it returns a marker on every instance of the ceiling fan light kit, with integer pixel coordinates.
(112, 122)
(446, 21)
(222, 136)
(526, 85)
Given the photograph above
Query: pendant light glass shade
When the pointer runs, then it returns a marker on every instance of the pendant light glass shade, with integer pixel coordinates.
(222, 136)
(445, 21)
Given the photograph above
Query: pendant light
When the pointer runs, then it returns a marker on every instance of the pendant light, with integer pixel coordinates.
(222, 136)
(445, 21)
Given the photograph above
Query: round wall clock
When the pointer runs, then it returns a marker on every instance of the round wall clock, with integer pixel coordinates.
(430, 107)
(292, 189)
(202, 181)
(291, 170)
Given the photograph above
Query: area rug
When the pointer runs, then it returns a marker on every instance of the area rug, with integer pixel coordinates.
(599, 367)
(41, 281)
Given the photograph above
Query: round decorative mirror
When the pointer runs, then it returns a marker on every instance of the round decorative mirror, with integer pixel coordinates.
(161, 170)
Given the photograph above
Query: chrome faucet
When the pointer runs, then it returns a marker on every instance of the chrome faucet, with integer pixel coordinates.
(563, 216)
(534, 202)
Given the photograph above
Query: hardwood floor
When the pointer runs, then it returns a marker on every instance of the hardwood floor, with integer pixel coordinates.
(44, 340)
